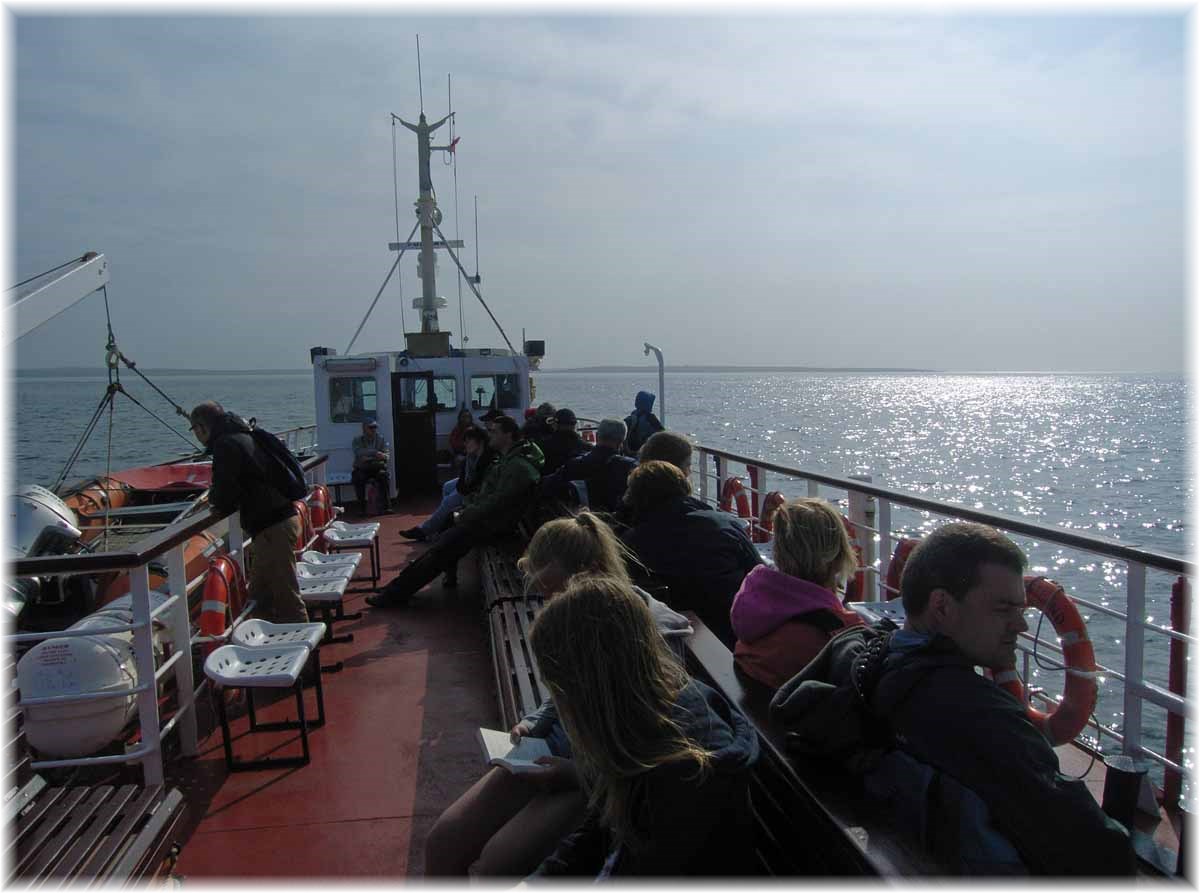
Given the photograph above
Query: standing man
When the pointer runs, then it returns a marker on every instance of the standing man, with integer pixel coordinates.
(240, 481)
(370, 461)
(642, 423)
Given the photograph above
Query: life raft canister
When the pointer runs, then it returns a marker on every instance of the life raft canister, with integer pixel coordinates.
(735, 491)
(772, 502)
(224, 589)
(1071, 715)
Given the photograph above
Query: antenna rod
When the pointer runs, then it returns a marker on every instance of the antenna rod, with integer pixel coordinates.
(420, 86)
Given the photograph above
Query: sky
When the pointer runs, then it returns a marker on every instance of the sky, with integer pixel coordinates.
(954, 190)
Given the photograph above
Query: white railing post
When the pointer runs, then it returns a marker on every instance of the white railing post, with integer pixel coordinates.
(319, 473)
(859, 511)
(703, 457)
(237, 541)
(181, 635)
(722, 475)
(884, 516)
(143, 643)
(814, 489)
(1135, 640)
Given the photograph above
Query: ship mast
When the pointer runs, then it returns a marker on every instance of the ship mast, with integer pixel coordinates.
(430, 341)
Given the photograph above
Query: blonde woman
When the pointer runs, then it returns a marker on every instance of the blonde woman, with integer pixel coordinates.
(664, 758)
(783, 617)
(506, 824)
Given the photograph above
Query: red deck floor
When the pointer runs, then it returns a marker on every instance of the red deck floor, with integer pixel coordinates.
(398, 746)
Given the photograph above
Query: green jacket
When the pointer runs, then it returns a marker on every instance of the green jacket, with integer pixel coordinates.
(506, 490)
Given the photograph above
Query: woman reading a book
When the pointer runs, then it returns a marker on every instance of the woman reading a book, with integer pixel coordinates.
(665, 760)
(507, 823)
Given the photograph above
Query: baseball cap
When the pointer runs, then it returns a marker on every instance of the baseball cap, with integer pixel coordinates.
(491, 415)
(371, 423)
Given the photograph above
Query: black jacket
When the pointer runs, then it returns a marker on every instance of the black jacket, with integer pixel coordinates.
(239, 480)
(686, 825)
(476, 469)
(603, 469)
(702, 554)
(561, 446)
(860, 697)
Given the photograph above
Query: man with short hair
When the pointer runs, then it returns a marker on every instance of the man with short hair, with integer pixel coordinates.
(240, 481)
(603, 469)
(667, 446)
(370, 461)
(493, 511)
(951, 754)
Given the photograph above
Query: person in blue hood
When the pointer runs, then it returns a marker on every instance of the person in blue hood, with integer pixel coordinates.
(641, 423)
(665, 759)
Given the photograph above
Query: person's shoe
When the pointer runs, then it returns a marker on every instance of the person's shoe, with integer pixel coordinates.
(383, 600)
(414, 533)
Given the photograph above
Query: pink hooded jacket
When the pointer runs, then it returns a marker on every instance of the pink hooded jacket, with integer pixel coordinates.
(782, 622)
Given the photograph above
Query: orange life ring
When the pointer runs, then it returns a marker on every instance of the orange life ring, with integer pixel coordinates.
(589, 435)
(222, 591)
(772, 502)
(735, 491)
(306, 525)
(318, 502)
(1071, 715)
(895, 570)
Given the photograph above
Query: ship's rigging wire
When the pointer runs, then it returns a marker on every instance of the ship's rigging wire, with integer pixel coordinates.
(76, 260)
(378, 294)
(396, 201)
(458, 264)
(462, 326)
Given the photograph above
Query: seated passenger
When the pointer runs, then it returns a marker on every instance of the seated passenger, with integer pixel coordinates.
(506, 824)
(702, 554)
(665, 759)
(493, 511)
(783, 617)
(667, 446)
(541, 426)
(602, 469)
(984, 789)
(458, 449)
(370, 461)
(479, 460)
(564, 442)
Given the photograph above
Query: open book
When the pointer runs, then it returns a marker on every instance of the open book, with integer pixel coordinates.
(499, 750)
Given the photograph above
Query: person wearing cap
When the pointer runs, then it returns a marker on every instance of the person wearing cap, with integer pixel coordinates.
(564, 443)
(540, 425)
(370, 460)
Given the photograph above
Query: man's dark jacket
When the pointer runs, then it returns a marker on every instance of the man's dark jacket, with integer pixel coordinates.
(561, 446)
(858, 697)
(603, 469)
(239, 478)
(702, 554)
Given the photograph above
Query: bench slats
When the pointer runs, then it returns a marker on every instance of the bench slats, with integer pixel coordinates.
(76, 856)
(143, 854)
(57, 811)
(49, 852)
(118, 841)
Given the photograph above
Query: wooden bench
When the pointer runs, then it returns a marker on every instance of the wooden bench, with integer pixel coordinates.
(510, 612)
(798, 802)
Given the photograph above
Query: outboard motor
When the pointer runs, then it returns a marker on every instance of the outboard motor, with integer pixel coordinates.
(41, 524)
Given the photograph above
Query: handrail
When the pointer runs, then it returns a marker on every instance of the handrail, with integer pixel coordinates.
(144, 550)
(1087, 542)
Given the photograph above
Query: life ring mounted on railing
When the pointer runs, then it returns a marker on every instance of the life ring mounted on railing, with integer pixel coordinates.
(733, 492)
(319, 505)
(224, 591)
(1069, 718)
(772, 502)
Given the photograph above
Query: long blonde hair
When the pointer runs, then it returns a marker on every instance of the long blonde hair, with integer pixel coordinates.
(811, 543)
(614, 683)
(575, 545)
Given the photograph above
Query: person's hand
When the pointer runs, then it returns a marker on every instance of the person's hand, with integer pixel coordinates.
(559, 774)
(517, 732)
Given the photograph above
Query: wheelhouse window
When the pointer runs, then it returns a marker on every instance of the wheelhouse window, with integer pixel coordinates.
(495, 392)
(352, 399)
(445, 394)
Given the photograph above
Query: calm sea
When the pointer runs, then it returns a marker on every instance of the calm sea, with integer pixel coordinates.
(1104, 454)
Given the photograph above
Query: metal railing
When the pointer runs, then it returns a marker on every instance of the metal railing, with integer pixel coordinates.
(870, 514)
(170, 543)
(302, 439)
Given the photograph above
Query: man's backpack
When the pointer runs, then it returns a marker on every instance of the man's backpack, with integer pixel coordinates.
(283, 471)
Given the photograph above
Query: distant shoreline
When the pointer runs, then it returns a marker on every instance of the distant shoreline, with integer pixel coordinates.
(81, 372)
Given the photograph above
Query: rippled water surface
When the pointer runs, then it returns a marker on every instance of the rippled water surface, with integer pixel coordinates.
(1102, 454)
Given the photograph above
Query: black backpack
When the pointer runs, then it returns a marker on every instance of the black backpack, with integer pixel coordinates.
(283, 471)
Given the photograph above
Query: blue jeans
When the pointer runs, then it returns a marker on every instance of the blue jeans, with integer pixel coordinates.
(451, 500)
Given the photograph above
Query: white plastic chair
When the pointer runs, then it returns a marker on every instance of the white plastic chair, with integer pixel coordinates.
(266, 666)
